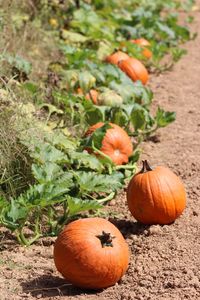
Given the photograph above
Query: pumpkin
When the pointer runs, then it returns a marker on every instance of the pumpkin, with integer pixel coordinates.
(91, 253)
(134, 69)
(156, 196)
(116, 57)
(116, 143)
(143, 42)
(91, 95)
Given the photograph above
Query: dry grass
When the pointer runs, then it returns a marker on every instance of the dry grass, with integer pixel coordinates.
(15, 164)
(21, 33)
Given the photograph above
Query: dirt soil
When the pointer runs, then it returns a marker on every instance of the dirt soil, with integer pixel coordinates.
(165, 260)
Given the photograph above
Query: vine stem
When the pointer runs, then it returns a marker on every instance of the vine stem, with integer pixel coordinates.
(109, 197)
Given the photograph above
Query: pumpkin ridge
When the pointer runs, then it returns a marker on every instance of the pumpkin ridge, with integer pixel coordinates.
(161, 195)
(169, 188)
(130, 69)
(150, 189)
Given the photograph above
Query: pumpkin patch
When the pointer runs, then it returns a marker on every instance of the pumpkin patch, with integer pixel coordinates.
(77, 111)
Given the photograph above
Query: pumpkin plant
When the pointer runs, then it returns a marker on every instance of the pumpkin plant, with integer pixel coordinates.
(91, 253)
(116, 143)
(156, 196)
(134, 69)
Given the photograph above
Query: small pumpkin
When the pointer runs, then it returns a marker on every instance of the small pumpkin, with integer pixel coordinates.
(143, 42)
(116, 57)
(91, 253)
(156, 196)
(91, 95)
(116, 143)
(134, 69)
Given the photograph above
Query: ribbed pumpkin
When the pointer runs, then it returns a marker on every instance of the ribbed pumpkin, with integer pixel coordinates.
(116, 57)
(134, 69)
(91, 95)
(143, 42)
(91, 253)
(156, 196)
(116, 143)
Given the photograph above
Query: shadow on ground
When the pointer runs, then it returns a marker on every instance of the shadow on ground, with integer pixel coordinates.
(129, 228)
(52, 286)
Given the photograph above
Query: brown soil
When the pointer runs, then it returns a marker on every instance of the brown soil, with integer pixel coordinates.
(165, 260)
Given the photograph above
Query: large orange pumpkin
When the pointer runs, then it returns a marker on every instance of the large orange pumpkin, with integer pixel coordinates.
(91, 253)
(156, 196)
(143, 42)
(134, 69)
(116, 143)
(116, 57)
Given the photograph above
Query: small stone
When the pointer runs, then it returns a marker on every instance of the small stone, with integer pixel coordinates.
(112, 203)
(155, 230)
(195, 213)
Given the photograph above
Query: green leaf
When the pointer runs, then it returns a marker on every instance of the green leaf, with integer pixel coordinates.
(138, 117)
(73, 37)
(47, 153)
(96, 138)
(86, 81)
(163, 118)
(47, 172)
(119, 117)
(77, 205)
(14, 215)
(94, 114)
(85, 159)
(93, 182)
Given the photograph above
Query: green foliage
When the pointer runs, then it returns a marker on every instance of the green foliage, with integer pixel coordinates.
(65, 179)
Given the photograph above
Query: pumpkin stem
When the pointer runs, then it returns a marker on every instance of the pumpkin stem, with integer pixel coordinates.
(145, 167)
(106, 239)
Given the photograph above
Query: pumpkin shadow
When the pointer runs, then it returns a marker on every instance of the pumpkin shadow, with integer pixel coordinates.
(128, 228)
(52, 286)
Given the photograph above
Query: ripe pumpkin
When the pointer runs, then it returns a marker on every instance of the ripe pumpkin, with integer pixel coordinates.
(116, 143)
(143, 42)
(156, 196)
(116, 57)
(134, 69)
(91, 253)
(91, 95)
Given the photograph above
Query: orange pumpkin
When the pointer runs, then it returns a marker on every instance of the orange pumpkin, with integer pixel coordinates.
(156, 196)
(143, 42)
(116, 143)
(91, 95)
(91, 253)
(134, 69)
(116, 57)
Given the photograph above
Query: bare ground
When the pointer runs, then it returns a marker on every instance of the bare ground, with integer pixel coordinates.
(165, 260)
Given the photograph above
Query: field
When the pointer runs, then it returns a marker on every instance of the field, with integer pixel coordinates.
(46, 180)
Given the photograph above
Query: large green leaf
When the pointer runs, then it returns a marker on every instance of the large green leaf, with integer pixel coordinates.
(92, 182)
(77, 205)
